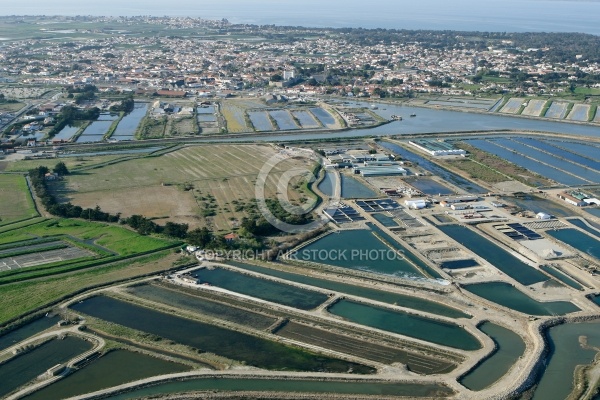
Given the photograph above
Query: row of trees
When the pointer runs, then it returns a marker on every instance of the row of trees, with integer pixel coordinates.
(145, 226)
(69, 114)
(68, 210)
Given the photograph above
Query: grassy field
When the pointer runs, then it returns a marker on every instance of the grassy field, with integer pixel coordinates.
(72, 163)
(492, 169)
(115, 253)
(182, 126)
(22, 297)
(587, 91)
(114, 238)
(151, 128)
(16, 203)
(10, 107)
(186, 185)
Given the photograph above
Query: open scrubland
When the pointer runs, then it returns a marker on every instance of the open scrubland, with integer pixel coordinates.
(72, 163)
(16, 203)
(199, 185)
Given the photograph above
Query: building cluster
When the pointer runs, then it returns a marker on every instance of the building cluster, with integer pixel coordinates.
(364, 163)
(437, 148)
(578, 198)
(316, 62)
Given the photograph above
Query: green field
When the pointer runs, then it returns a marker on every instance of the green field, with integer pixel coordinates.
(114, 238)
(16, 203)
(587, 91)
(23, 297)
(10, 107)
(117, 253)
(198, 185)
(72, 163)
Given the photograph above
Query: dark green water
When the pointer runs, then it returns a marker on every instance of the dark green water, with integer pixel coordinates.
(459, 264)
(595, 299)
(416, 303)
(359, 250)
(353, 189)
(405, 324)
(26, 367)
(385, 220)
(287, 386)
(582, 225)
(539, 204)
(234, 345)
(261, 288)
(430, 187)
(112, 369)
(202, 306)
(27, 330)
(326, 186)
(494, 254)
(510, 347)
(565, 354)
(561, 277)
(405, 252)
(578, 240)
(509, 296)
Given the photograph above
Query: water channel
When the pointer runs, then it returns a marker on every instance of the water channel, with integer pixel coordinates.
(288, 386)
(252, 350)
(112, 369)
(261, 288)
(494, 254)
(427, 329)
(360, 250)
(402, 300)
(579, 240)
(26, 367)
(508, 296)
(566, 352)
(509, 348)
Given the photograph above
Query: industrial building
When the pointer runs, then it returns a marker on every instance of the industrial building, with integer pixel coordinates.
(437, 147)
(415, 204)
(381, 170)
(342, 213)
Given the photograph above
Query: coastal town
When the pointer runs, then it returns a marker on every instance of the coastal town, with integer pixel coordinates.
(203, 57)
(193, 208)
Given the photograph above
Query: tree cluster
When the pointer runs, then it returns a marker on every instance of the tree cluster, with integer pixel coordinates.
(251, 228)
(125, 106)
(69, 114)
